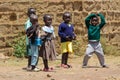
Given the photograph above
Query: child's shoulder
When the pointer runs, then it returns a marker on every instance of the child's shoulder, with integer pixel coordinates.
(28, 21)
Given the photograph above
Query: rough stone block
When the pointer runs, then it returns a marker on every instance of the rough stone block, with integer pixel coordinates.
(5, 29)
(117, 16)
(78, 6)
(59, 18)
(105, 5)
(77, 17)
(91, 5)
(110, 16)
(55, 7)
(69, 6)
(84, 15)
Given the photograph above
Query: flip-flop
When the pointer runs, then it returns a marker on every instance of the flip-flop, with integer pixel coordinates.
(48, 70)
(64, 66)
(69, 66)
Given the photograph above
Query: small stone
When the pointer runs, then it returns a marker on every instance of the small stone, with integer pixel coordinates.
(48, 75)
(96, 69)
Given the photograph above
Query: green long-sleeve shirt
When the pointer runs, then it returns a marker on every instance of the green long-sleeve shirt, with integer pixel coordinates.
(94, 31)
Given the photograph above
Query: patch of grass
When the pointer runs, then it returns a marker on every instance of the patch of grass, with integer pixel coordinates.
(109, 49)
(79, 46)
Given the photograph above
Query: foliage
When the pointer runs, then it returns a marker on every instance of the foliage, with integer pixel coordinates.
(19, 46)
(109, 49)
(79, 46)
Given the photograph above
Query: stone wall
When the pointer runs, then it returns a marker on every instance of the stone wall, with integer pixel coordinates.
(13, 16)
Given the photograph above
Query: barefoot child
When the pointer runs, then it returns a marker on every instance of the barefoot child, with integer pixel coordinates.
(47, 50)
(94, 45)
(66, 33)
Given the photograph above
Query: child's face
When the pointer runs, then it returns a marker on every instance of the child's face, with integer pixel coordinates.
(48, 21)
(67, 19)
(94, 21)
(33, 19)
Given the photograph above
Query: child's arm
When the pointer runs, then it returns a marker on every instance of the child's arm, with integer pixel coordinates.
(102, 20)
(73, 35)
(87, 20)
(60, 32)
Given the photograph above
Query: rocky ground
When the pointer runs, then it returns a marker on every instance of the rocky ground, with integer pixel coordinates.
(11, 69)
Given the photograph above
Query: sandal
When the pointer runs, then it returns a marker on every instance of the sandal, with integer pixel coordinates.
(64, 66)
(69, 66)
(48, 70)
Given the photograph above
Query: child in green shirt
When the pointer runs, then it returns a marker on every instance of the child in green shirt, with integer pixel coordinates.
(94, 45)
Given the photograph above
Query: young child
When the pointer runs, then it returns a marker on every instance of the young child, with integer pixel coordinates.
(94, 45)
(33, 33)
(66, 33)
(27, 25)
(47, 50)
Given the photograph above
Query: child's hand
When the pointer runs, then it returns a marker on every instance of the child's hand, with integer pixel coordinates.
(36, 24)
(30, 36)
(74, 37)
(68, 38)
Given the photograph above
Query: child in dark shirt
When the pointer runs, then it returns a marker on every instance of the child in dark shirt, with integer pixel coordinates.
(33, 32)
(66, 34)
(28, 41)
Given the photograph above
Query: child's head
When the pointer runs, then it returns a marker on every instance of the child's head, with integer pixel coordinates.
(33, 18)
(95, 20)
(66, 17)
(31, 11)
(47, 19)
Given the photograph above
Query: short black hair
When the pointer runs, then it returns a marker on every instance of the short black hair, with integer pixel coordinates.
(94, 17)
(46, 16)
(66, 14)
(33, 17)
(31, 11)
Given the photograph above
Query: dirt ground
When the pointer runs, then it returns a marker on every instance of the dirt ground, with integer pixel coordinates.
(11, 69)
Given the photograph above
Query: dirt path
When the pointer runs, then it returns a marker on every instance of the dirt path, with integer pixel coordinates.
(12, 70)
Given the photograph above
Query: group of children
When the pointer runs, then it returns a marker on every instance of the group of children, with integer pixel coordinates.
(40, 42)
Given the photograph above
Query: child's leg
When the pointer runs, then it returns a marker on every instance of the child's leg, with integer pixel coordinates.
(29, 57)
(63, 59)
(66, 58)
(100, 54)
(101, 58)
(34, 57)
(88, 54)
(45, 62)
(29, 61)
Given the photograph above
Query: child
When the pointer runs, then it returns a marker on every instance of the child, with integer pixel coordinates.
(33, 33)
(27, 25)
(94, 45)
(47, 50)
(66, 33)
